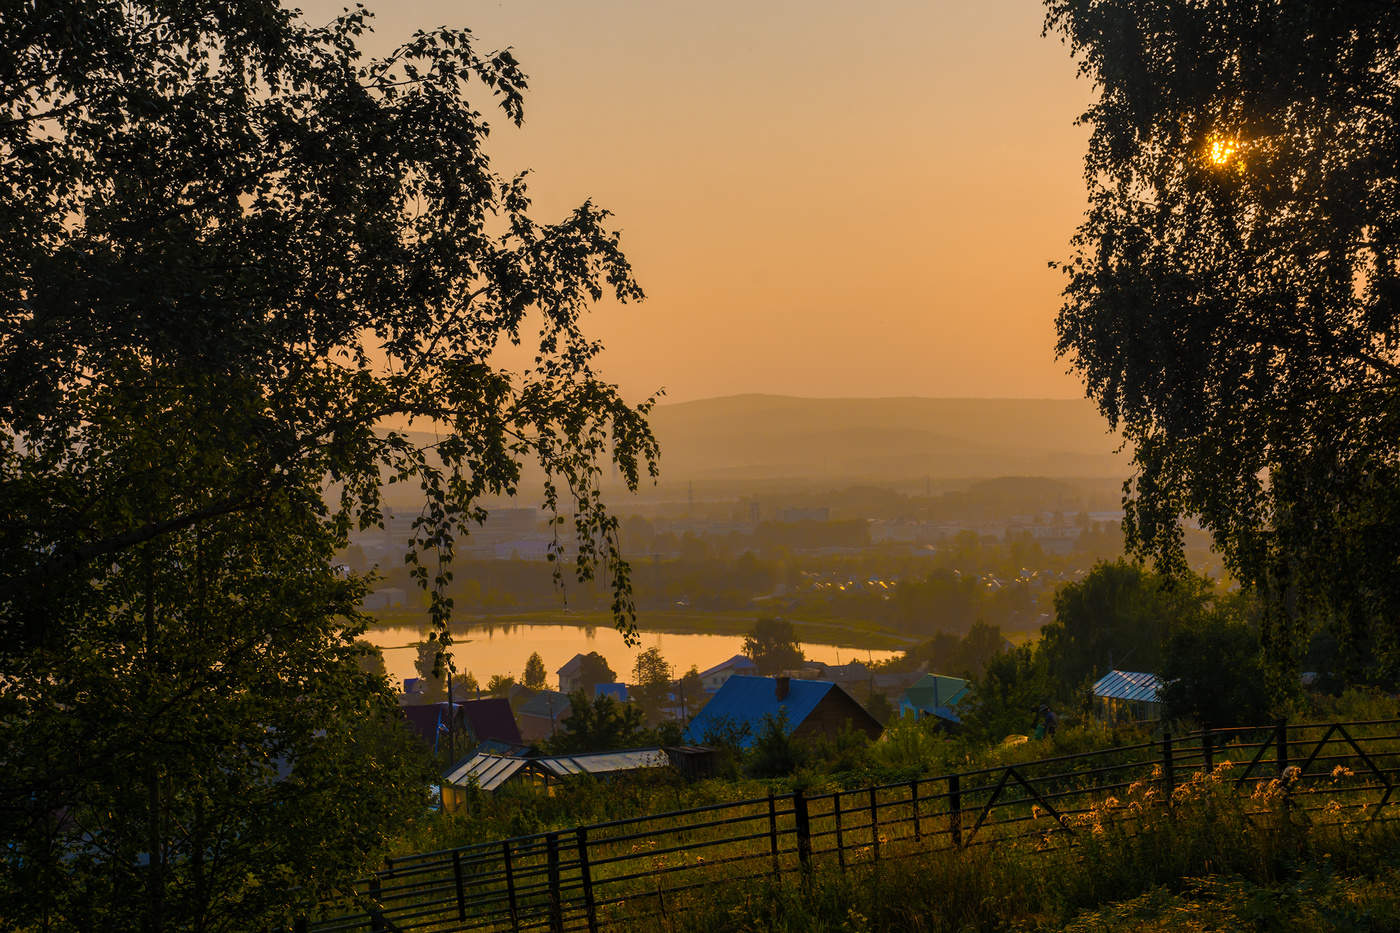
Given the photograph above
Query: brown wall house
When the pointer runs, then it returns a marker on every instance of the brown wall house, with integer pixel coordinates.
(836, 712)
(808, 707)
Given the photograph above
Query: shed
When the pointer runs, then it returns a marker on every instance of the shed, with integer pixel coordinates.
(809, 708)
(1128, 696)
(601, 763)
(934, 695)
(490, 772)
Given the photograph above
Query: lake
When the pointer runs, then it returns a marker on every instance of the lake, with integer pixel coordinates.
(504, 649)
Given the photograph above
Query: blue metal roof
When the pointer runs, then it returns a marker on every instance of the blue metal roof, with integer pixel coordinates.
(1129, 685)
(617, 691)
(746, 700)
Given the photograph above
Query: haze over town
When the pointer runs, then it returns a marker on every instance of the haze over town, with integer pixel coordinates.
(753, 466)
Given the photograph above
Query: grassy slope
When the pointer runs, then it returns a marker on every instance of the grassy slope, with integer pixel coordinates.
(1217, 862)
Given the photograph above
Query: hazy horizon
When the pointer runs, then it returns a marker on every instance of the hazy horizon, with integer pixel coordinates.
(821, 199)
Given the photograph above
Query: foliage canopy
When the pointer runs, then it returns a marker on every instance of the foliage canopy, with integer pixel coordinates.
(1232, 296)
(772, 646)
(238, 262)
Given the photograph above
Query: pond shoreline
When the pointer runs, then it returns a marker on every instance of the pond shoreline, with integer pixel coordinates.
(835, 633)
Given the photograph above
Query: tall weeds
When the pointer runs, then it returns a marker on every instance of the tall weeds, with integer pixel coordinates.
(1132, 861)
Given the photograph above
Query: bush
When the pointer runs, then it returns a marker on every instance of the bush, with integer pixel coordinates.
(774, 753)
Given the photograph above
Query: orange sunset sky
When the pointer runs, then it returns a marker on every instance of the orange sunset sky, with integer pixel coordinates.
(820, 198)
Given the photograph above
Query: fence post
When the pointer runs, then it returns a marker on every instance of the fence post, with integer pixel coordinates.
(955, 809)
(376, 913)
(804, 829)
(773, 830)
(510, 888)
(589, 905)
(457, 878)
(874, 826)
(1168, 766)
(1207, 750)
(840, 836)
(1282, 730)
(556, 909)
(302, 925)
(914, 805)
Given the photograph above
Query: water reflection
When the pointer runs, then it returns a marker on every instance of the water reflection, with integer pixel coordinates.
(503, 648)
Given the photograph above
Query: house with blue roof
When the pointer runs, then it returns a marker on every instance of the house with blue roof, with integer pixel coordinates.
(809, 708)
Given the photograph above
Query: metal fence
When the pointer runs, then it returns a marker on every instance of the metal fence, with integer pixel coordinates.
(584, 878)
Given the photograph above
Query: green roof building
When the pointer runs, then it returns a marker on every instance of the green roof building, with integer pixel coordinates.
(934, 695)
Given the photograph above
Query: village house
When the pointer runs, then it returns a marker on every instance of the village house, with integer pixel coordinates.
(714, 678)
(807, 707)
(569, 674)
(489, 719)
(472, 722)
(543, 715)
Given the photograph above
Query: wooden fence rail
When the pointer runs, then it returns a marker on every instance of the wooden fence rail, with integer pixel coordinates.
(582, 879)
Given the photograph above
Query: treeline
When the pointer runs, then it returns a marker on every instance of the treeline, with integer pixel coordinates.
(952, 500)
(1202, 641)
(1001, 581)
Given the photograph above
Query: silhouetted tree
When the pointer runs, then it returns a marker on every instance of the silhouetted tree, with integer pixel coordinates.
(1116, 617)
(595, 670)
(1213, 668)
(237, 261)
(652, 684)
(432, 681)
(1233, 298)
(1004, 699)
(692, 690)
(597, 725)
(535, 677)
(772, 646)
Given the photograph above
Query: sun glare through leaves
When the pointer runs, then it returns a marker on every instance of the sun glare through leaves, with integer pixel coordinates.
(1222, 151)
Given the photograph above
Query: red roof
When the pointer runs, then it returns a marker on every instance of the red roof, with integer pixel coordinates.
(487, 718)
(490, 718)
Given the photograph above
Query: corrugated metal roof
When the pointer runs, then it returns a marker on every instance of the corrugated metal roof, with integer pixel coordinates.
(489, 771)
(1129, 685)
(745, 700)
(633, 759)
(933, 691)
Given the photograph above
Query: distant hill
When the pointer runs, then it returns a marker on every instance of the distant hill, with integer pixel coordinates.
(759, 437)
(742, 444)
